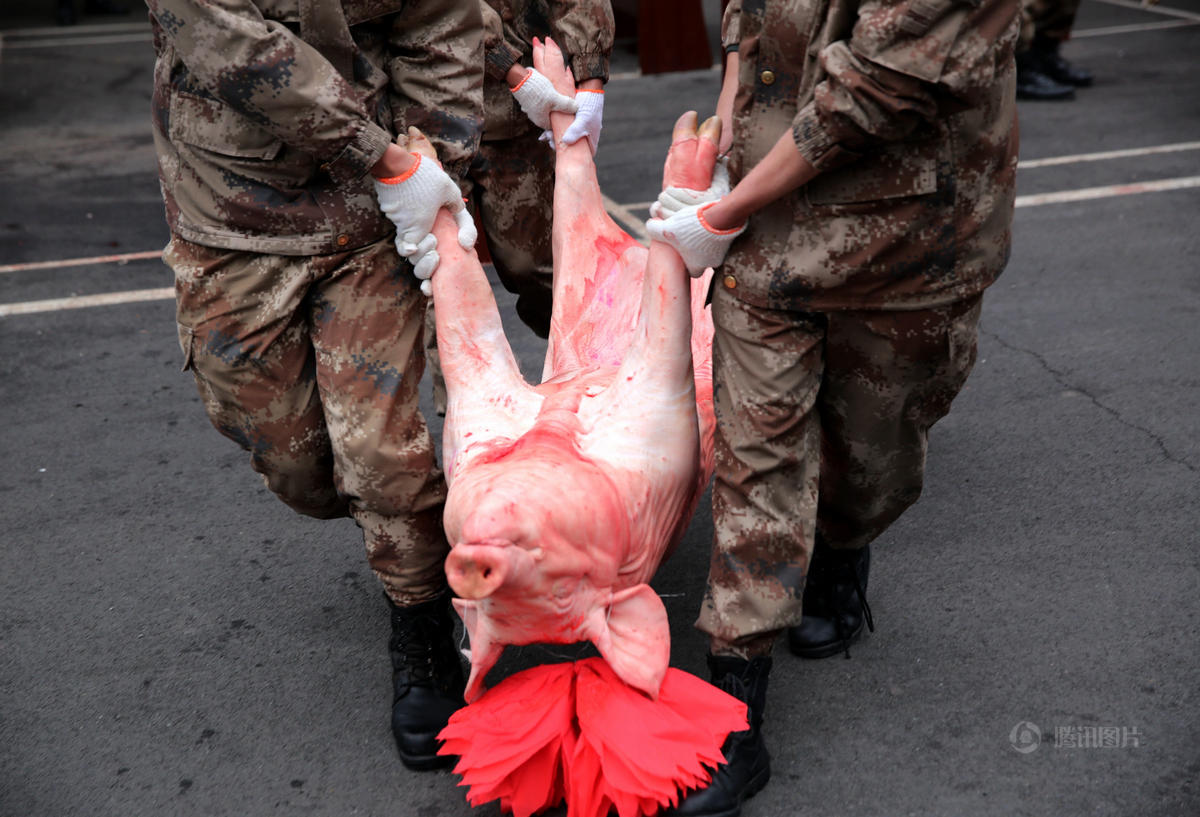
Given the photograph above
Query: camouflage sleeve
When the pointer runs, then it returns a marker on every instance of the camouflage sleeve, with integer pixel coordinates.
(905, 64)
(436, 70)
(584, 29)
(501, 46)
(731, 26)
(272, 77)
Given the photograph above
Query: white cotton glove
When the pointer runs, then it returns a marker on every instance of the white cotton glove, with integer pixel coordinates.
(674, 199)
(424, 258)
(412, 203)
(698, 244)
(587, 119)
(537, 98)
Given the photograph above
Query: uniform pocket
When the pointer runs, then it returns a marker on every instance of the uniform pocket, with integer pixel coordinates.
(211, 125)
(187, 344)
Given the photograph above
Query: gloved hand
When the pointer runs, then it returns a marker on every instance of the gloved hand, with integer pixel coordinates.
(537, 98)
(588, 117)
(674, 199)
(412, 202)
(698, 243)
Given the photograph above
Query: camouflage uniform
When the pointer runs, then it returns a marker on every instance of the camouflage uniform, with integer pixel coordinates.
(846, 313)
(300, 323)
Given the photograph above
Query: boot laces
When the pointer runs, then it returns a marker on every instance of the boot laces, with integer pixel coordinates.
(844, 569)
(414, 643)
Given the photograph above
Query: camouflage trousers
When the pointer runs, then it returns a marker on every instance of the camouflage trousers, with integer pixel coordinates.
(312, 365)
(511, 188)
(822, 422)
(1051, 19)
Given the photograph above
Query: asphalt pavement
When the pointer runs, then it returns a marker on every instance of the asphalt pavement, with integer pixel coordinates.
(174, 641)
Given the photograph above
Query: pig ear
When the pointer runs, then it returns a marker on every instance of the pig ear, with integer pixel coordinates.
(635, 638)
(484, 652)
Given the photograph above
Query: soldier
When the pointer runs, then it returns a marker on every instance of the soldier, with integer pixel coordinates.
(296, 315)
(511, 180)
(876, 149)
(1042, 73)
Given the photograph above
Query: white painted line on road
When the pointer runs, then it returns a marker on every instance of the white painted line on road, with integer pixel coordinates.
(1108, 191)
(61, 42)
(1133, 28)
(74, 31)
(620, 212)
(81, 301)
(121, 258)
(1166, 11)
(620, 75)
(1107, 154)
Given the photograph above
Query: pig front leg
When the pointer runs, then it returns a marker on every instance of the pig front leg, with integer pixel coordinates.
(487, 396)
(597, 266)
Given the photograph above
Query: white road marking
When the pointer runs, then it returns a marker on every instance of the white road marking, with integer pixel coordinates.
(620, 213)
(1107, 154)
(626, 75)
(1133, 28)
(73, 31)
(623, 213)
(1165, 11)
(1108, 191)
(62, 42)
(81, 301)
(120, 258)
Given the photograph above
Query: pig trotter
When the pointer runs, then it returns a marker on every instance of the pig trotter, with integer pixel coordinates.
(427, 677)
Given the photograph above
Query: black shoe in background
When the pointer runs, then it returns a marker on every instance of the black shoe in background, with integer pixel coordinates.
(1034, 83)
(427, 678)
(1052, 64)
(748, 765)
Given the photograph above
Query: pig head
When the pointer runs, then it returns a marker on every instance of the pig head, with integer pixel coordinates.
(544, 552)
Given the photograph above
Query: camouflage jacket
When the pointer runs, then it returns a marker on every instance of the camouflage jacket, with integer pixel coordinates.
(268, 114)
(906, 108)
(583, 29)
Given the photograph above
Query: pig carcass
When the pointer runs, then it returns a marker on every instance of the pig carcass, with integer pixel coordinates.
(565, 497)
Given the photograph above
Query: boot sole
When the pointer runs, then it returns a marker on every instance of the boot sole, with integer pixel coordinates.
(756, 784)
(753, 787)
(427, 763)
(826, 650)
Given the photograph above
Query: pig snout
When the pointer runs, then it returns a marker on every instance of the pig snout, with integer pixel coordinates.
(476, 571)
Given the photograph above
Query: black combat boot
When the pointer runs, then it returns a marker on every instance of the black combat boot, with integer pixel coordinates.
(748, 766)
(835, 602)
(1052, 64)
(1034, 83)
(427, 676)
